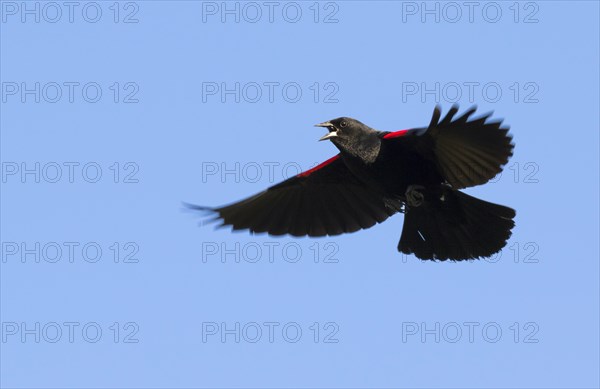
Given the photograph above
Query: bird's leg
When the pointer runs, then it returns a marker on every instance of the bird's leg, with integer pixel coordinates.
(394, 204)
(414, 195)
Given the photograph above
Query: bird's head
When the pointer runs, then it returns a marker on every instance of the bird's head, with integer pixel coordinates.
(352, 137)
(344, 129)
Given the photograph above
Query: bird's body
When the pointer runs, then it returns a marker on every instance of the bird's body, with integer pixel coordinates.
(377, 174)
(398, 161)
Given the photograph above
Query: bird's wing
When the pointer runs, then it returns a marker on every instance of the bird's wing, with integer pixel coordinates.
(466, 152)
(325, 200)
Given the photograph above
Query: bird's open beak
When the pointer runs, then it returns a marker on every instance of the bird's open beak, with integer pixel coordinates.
(332, 130)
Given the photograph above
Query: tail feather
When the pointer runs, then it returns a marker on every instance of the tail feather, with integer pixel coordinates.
(453, 225)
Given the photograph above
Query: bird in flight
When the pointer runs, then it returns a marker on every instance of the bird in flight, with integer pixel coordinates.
(376, 174)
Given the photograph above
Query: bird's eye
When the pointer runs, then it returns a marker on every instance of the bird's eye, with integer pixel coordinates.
(343, 124)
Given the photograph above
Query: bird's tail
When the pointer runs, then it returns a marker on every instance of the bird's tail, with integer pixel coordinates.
(449, 224)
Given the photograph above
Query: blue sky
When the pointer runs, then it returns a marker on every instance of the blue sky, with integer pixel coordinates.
(112, 114)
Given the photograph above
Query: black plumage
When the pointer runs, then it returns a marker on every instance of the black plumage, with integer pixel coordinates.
(377, 174)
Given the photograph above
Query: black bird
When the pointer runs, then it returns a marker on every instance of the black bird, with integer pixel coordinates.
(378, 173)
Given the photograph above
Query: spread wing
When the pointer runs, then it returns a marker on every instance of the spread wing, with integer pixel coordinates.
(466, 152)
(325, 200)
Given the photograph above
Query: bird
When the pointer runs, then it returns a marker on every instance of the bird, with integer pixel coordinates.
(418, 172)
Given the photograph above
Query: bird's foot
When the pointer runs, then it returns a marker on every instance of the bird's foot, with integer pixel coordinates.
(394, 204)
(415, 196)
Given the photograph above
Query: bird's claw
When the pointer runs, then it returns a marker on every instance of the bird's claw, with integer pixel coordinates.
(414, 195)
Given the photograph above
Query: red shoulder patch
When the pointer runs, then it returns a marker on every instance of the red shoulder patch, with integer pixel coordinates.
(319, 166)
(395, 134)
